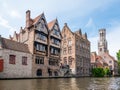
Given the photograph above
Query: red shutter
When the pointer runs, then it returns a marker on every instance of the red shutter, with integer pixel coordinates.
(1, 65)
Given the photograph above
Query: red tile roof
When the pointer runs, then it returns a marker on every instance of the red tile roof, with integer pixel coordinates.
(51, 24)
(35, 20)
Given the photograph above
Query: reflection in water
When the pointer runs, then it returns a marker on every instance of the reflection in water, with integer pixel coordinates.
(62, 84)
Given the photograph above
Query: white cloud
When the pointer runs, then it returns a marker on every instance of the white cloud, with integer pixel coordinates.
(4, 23)
(15, 14)
(90, 25)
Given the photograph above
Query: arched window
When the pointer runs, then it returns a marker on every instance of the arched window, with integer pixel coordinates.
(39, 72)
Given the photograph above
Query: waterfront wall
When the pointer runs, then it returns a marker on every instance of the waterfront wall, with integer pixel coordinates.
(17, 70)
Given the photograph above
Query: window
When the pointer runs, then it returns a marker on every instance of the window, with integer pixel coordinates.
(54, 51)
(70, 60)
(110, 67)
(55, 41)
(100, 49)
(40, 47)
(56, 32)
(65, 51)
(110, 61)
(24, 60)
(42, 37)
(39, 60)
(69, 42)
(65, 60)
(12, 59)
(53, 62)
(70, 50)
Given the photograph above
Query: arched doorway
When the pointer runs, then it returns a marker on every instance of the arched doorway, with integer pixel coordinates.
(39, 72)
(49, 72)
(55, 73)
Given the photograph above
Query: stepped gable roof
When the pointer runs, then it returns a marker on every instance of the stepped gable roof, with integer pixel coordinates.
(66, 26)
(51, 24)
(78, 32)
(13, 45)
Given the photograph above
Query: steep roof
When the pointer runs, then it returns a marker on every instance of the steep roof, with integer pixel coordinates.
(13, 45)
(51, 24)
(35, 20)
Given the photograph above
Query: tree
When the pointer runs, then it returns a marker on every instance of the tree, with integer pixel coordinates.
(118, 58)
(119, 67)
(118, 55)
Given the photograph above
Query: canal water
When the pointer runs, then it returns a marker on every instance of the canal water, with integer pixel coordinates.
(62, 84)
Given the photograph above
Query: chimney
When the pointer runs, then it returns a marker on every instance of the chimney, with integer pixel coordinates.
(65, 24)
(27, 18)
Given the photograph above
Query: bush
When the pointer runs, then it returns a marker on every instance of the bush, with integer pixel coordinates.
(107, 71)
(100, 72)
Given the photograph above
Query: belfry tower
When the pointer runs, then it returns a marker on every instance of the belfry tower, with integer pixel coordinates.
(102, 43)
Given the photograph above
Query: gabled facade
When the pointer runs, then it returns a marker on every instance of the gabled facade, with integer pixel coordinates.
(75, 51)
(54, 47)
(44, 42)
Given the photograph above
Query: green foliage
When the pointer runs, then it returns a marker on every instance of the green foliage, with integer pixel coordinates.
(119, 67)
(118, 55)
(100, 72)
(107, 71)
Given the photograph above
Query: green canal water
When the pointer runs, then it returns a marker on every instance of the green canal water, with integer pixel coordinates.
(62, 84)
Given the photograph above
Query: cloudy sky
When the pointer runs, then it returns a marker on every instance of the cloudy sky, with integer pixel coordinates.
(89, 15)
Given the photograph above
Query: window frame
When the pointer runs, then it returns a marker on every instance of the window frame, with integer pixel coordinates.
(12, 59)
(24, 60)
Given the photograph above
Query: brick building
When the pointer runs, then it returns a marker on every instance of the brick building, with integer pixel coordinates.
(15, 59)
(44, 42)
(75, 51)
(39, 46)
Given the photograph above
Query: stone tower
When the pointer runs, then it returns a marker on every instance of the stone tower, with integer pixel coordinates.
(102, 43)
